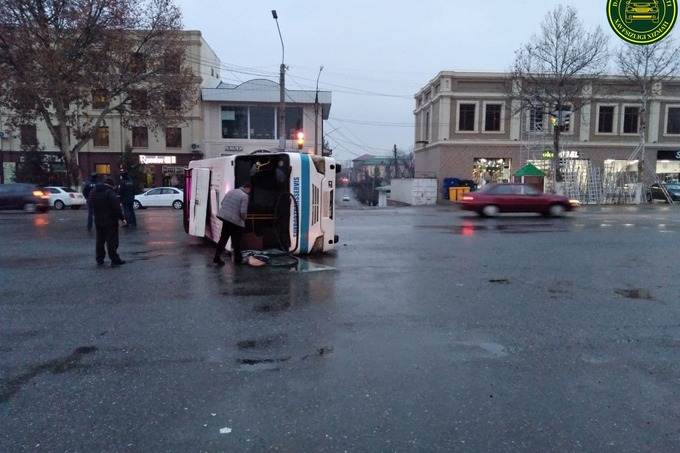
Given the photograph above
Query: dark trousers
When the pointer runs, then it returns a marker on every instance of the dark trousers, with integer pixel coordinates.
(107, 237)
(90, 216)
(130, 216)
(235, 232)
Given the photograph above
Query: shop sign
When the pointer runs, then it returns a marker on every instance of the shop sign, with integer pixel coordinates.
(175, 170)
(150, 160)
(668, 155)
(548, 154)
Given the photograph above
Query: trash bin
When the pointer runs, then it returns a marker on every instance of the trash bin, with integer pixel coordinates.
(449, 182)
(456, 193)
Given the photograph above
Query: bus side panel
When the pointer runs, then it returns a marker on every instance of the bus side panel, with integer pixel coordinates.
(221, 182)
(216, 180)
(293, 226)
(328, 206)
(314, 193)
(200, 182)
(305, 201)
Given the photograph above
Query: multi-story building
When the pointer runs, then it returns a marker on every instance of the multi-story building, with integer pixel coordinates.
(465, 127)
(162, 154)
(371, 166)
(225, 119)
(244, 118)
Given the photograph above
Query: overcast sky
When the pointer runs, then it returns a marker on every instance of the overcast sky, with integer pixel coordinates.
(376, 54)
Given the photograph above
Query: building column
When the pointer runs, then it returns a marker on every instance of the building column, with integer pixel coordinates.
(444, 118)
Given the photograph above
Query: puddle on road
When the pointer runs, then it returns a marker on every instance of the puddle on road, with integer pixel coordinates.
(469, 228)
(59, 365)
(256, 290)
(279, 261)
(635, 293)
(493, 349)
(518, 225)
(261, 364)
(288, 264)
(256, 344)
(309, 266)
(272, 307)
(506, 226)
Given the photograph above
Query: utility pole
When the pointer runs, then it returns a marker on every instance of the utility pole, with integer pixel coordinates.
(396, 164)
(2, 158)
(316, 116)
(282, 92)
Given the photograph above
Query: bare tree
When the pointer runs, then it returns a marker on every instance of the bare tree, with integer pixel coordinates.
(59, 57)
(555, 71)
(647, 67)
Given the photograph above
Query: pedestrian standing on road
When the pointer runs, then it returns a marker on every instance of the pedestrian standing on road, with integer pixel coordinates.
(126, 194)
(87, 188)
(107, 213)
(233, 211)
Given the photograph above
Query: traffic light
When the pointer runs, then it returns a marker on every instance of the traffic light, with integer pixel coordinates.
(564, 122)
(300, 139)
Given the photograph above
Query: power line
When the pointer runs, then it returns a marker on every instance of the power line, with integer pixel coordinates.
(373, 123)
(347, 142)
(254, 72)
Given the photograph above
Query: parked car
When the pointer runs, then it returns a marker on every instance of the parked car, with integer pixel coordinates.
(28, 197)
(497, 198)
(160, 197)
(60, 197)
(345, 198)
(655, 192)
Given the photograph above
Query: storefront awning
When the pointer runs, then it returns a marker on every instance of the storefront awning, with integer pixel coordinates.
(529, 170)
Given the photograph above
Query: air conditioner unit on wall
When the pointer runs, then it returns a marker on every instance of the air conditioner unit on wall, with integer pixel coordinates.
(195, 148)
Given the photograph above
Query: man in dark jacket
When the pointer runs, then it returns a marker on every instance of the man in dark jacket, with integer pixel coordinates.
(87, 188)
(126, 193)
(107, 212)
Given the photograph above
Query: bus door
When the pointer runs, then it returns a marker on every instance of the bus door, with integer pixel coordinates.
(198, 211)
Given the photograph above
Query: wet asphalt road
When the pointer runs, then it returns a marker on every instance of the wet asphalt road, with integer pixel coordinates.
(427, 330)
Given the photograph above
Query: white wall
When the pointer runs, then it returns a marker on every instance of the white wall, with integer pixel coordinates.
(416, 192)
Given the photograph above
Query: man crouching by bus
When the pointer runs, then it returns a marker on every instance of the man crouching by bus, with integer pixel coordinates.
(232, 213)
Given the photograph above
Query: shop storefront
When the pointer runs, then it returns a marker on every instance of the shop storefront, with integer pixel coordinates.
(573, 167)
(488, 170)
(153, 170)
(668, 166)
(159, 170)
(46, 167)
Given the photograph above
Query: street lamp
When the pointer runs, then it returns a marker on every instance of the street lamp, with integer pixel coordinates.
(316, 116)
(282, 87)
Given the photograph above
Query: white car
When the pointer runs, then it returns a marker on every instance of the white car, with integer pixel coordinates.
(345, 198)
(160, 197)
(60, 197)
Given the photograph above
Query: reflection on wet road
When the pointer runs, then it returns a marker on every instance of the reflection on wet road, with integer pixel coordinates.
(467, 226)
